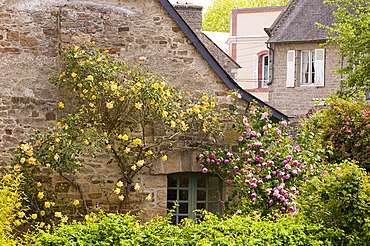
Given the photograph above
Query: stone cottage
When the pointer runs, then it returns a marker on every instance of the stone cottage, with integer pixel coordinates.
(32, 36)
(301, 71)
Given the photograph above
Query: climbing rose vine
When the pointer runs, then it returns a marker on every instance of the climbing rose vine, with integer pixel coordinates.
(264, 176)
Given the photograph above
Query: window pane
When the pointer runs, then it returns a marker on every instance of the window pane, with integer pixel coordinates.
(265, 75)
(213, 207)
(313, 67)
(213, 182)
(184, 208)
(170, 206)
(183, 195)
(172, 195)
(213, 195)
(201, 182)
(184, 182)
(201, 195)
(172, 182)
(305, 67)
(173, 220)
(201, 205)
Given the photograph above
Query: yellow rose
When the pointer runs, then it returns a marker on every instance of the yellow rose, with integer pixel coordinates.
(149, 152)
(39, 184)
(109, 105)
(76, 202)
(139, 106)
(7, 177)
(40, 195)
(42, 212)
(127, 150)
(61, 105)
(34, 216)
(140, 163)
(164, 158)
(125, 137)
(117, 190)
(74, 75)
(121, 198)
(22, 160)
(58, 214)
(90, 77)
(149, 197)
(136, 141)
(137, 187)
(21, 214)
(119, 184)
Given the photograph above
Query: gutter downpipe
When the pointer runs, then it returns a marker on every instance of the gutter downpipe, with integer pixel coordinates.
(272, 55)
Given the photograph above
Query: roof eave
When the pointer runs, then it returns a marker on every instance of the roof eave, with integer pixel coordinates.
(298, 41)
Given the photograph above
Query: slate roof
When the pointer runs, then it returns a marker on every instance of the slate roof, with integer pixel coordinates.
(225, 77)
(297, 22)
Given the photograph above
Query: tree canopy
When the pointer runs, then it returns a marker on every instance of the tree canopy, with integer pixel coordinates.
(352, 33)
(216, 17)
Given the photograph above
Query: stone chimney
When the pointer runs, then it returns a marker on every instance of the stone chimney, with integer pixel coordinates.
(192, 14)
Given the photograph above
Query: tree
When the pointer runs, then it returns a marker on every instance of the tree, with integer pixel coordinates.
(351, 32)
(216, 18)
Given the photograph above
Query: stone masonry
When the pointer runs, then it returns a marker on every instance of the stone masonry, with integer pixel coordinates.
(32, 36)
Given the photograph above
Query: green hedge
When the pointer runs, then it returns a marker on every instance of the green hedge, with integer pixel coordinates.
(115, 229)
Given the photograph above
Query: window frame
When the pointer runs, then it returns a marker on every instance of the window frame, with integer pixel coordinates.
(311, 74)
(192, 200)
(263, 83)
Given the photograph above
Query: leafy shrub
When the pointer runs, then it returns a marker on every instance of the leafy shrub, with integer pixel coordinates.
(339, 198)
(345, 128)
(11, 210)
(114, 229)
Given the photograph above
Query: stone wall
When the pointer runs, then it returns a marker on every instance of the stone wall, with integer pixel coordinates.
(298, 100)
(32, 36)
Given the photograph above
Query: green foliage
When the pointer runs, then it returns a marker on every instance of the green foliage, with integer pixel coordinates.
(340, 198)
(344, 128)
(216, 18)
(238, 230)
(12, 213)
(351, 33)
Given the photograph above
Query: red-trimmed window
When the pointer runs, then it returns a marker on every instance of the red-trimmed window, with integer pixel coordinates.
(261, 69)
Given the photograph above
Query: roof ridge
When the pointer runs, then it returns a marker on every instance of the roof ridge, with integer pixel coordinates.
(282, 16)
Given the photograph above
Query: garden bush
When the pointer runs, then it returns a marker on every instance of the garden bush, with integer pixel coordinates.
(112, 229)
(12, 213)
(344, 127)
(339, 198)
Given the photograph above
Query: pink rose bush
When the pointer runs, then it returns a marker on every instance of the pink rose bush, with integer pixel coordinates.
(265, 173)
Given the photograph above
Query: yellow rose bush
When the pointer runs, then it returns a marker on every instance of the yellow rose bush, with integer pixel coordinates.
(107, 107)
(119, 107)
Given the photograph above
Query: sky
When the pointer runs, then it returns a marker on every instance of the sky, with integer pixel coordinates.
(204, 3)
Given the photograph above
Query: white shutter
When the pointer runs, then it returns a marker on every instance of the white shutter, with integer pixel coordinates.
(255, 71)
(319, 67)
(290, 68)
